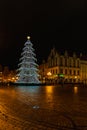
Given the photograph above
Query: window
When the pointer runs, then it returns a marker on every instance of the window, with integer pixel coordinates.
(77, 63)
(70, 71)
(61, 70)
(74, 63)
(56, 71)
(78, 73)
(61, 61)
(74, 72)
(66, 62)
(65, 71)
(70, 62)
(56, 61)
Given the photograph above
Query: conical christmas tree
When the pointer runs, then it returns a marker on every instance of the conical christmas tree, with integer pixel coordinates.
(28, 68)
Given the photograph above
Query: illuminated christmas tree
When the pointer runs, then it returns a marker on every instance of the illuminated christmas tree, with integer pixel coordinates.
(28, 68)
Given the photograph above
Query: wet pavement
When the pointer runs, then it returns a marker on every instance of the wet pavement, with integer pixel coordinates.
(43, 108)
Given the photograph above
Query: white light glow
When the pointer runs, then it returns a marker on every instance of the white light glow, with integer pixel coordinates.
(28, 37)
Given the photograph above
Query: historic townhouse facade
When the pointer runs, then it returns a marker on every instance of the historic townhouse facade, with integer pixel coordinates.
(83, 69)
(67, 68)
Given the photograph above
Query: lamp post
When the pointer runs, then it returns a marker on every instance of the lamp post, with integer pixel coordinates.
(49, 75)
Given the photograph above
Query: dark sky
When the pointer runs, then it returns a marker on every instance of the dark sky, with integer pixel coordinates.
(59, 23)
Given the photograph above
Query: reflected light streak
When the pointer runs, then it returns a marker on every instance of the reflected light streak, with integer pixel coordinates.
(49, 95)
(75, 89)
(30, 89)
(49, 89)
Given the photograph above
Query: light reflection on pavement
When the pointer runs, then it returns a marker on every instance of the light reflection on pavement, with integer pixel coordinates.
(43, 108)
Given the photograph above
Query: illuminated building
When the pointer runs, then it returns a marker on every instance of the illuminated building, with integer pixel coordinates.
(67, 68)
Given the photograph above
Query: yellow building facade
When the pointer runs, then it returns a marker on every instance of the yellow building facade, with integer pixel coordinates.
(67, 68)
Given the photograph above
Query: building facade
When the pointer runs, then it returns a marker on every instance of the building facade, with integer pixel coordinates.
(65, 67)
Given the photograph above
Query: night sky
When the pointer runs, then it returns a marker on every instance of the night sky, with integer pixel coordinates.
(59, 23)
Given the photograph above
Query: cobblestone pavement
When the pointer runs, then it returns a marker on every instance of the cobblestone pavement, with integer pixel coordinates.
(43, 108)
